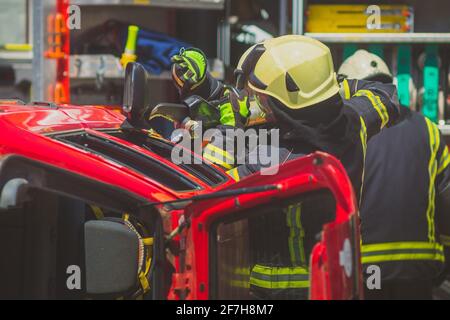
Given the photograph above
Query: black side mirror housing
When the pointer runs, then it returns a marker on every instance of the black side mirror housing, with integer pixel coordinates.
(136, 97)
(12, 193)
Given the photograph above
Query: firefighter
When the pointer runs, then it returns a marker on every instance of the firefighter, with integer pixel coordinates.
(402, 232)
(293, 80)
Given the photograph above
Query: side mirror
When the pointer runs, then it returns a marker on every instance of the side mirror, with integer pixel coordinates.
(111, 257)
(136, 97)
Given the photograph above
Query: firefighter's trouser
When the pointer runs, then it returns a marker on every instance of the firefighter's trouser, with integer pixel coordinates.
(279, 283)
(285, 282)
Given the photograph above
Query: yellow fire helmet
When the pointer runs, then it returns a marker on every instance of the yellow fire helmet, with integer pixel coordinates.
(296, 70)
(366, 66)
(239, 75)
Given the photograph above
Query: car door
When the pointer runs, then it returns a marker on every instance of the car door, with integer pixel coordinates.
(228, 236)
(66, 236)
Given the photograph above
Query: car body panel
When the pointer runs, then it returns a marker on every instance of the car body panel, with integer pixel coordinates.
(33, 125)
(27, 131)
(313, 172)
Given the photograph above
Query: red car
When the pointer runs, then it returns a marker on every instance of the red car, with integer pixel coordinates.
(68, 174)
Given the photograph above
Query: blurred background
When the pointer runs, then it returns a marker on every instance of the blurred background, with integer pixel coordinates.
(71, 51)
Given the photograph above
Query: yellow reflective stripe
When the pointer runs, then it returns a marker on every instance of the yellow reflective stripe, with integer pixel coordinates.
(377, 104)
(401, 246)
(301, 245)
(402, 257)
(144, 282)
(159, 115)
(434, 137)
(148, 241)
(397, 251)
(363, 136)
(234, 173)
(97, 212)
(433, 195)
(347, 93)
(385, 112)
(280, 270)
(242, 271)
(216, 150)
(279, 284)
(291, 237)
(444, 161)
(296, 235)
(209, 157)
(445, 240)
(240, 284)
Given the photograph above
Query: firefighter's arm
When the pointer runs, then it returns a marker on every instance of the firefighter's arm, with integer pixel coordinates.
(234, 111)
(376, 103)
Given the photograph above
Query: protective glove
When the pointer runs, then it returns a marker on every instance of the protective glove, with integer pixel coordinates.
(234, 109)
(189, 70)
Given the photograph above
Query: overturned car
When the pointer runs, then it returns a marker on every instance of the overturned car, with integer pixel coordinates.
(91, 208)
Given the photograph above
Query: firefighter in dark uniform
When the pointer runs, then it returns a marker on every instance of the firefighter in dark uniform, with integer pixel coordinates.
(293, 81)
(402, 232)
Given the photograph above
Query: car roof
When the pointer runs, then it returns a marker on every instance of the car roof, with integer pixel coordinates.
(51, 118)
(34, 123)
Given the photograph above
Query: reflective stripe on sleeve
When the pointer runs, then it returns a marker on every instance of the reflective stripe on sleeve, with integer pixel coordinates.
(377, 105)
(434, 137)
(363, 136)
